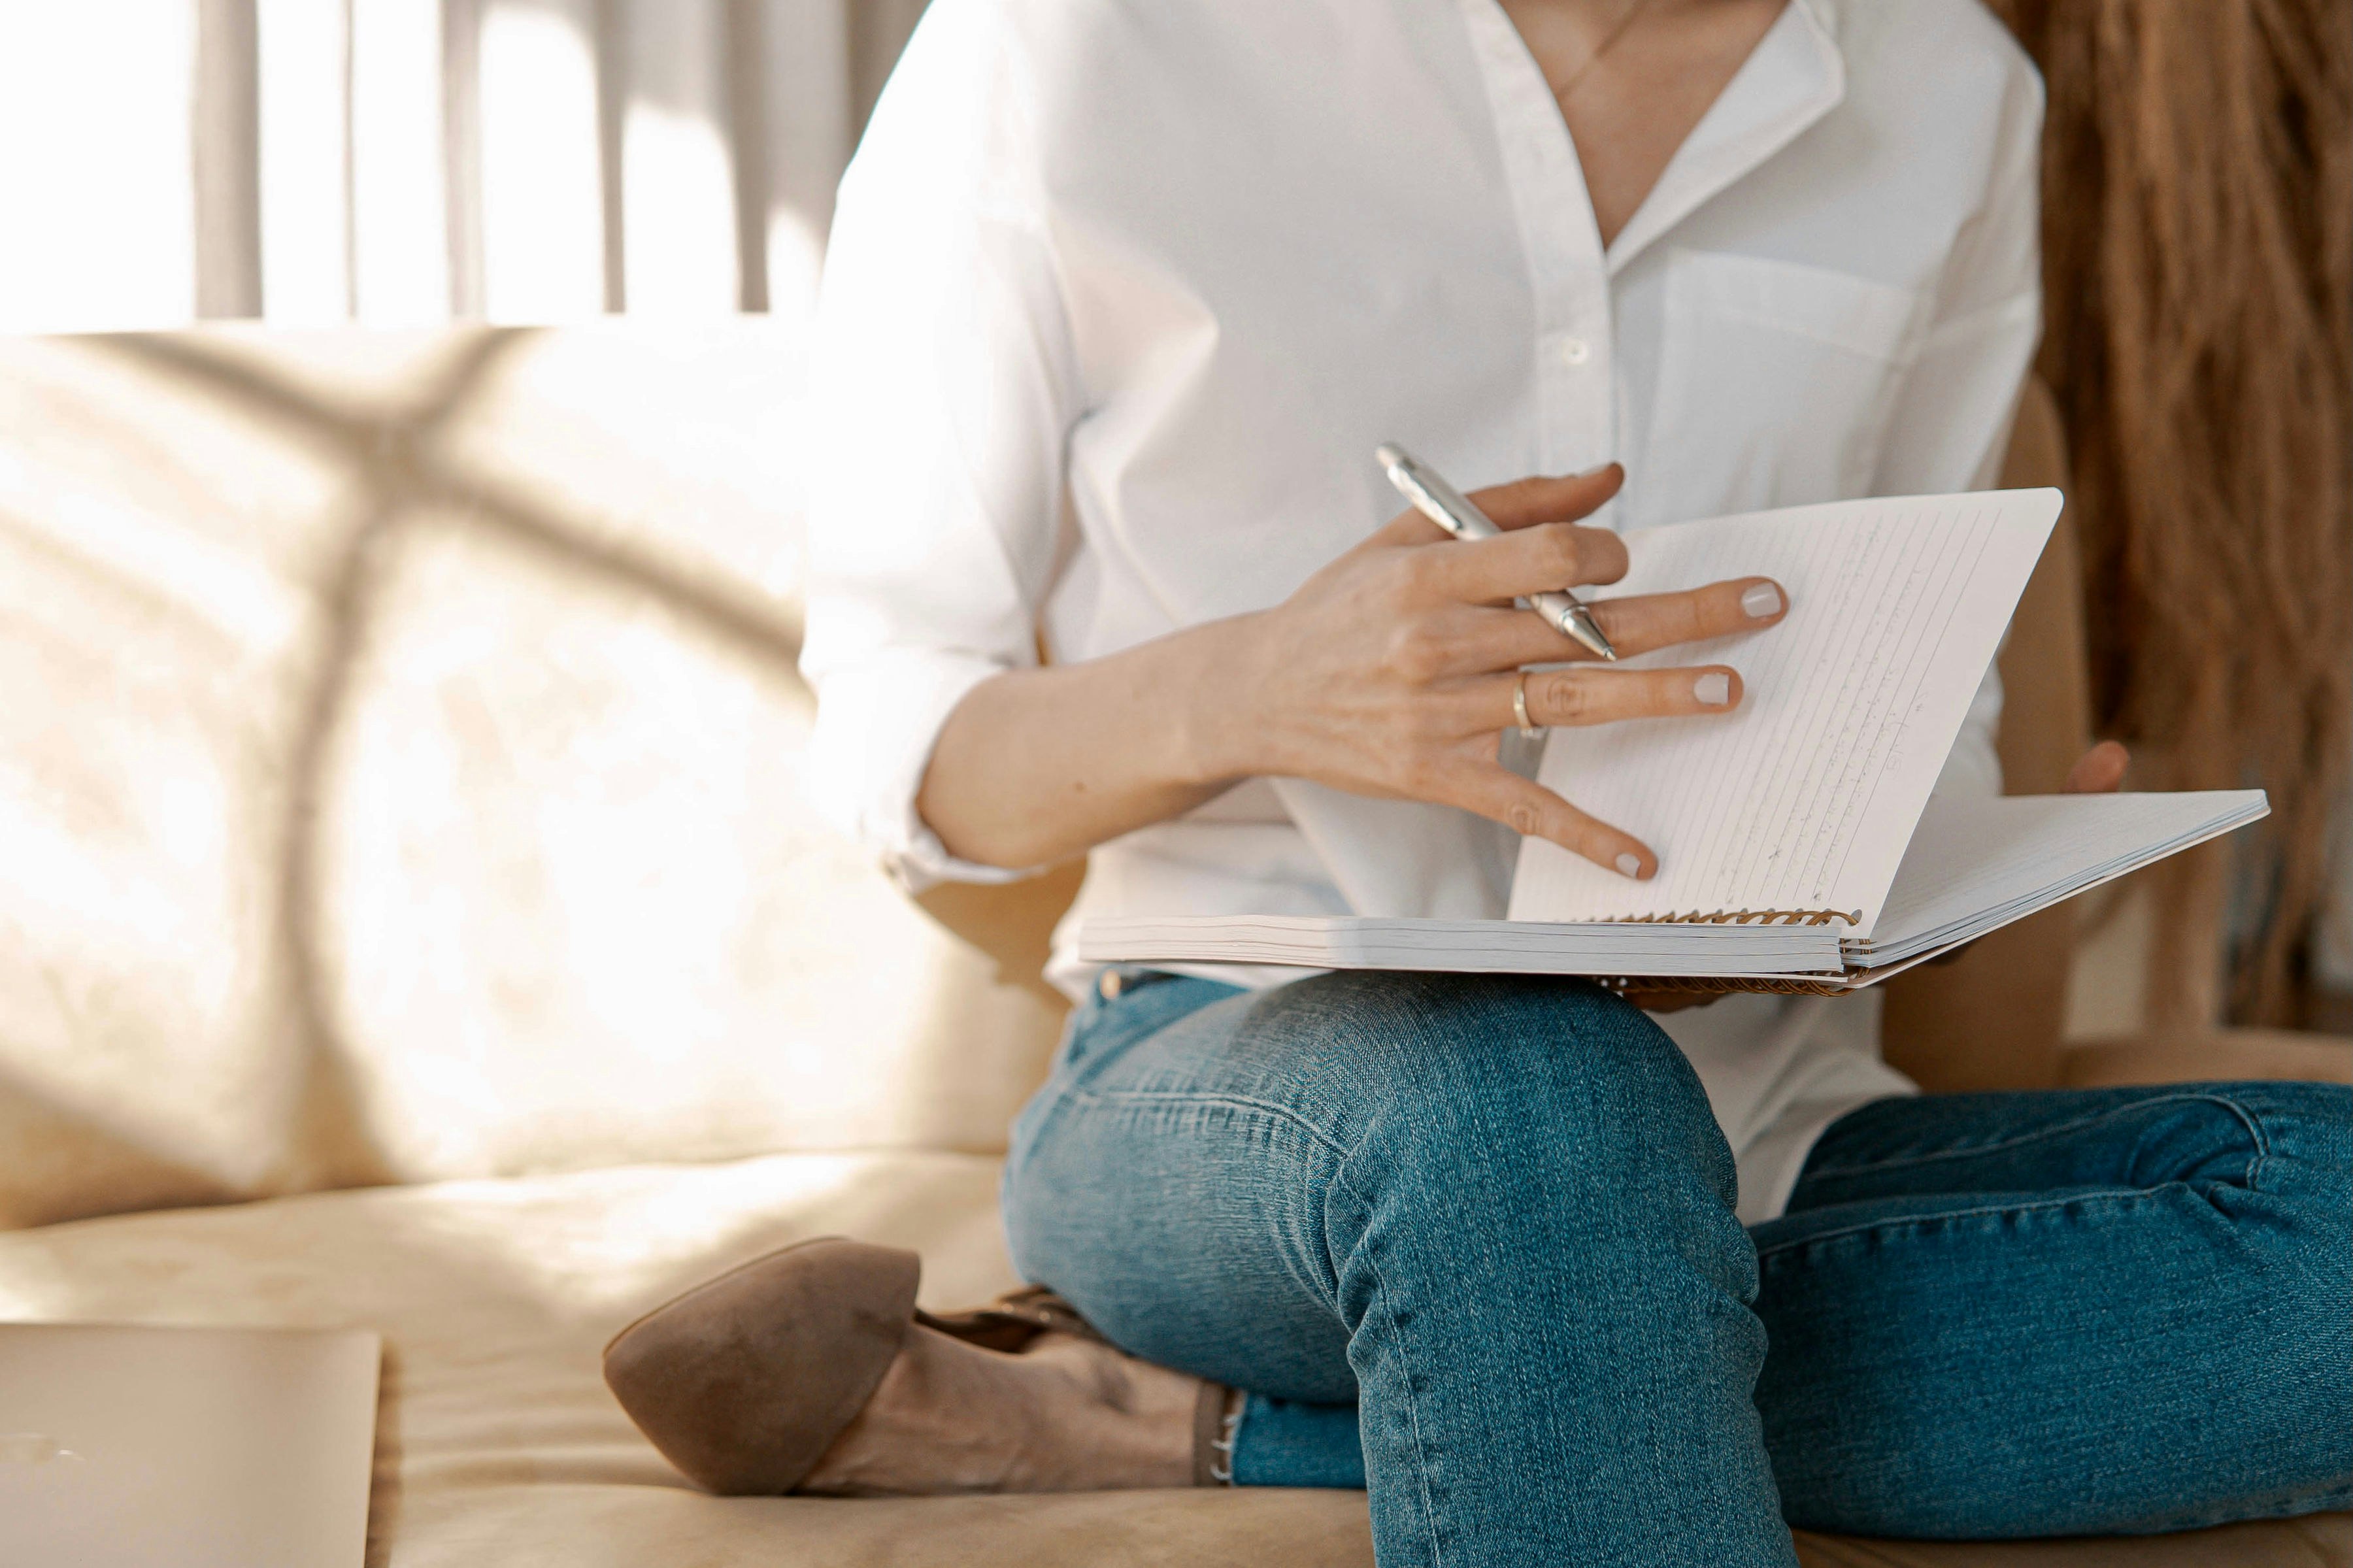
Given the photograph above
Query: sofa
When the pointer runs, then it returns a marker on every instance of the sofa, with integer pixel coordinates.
(411, 919)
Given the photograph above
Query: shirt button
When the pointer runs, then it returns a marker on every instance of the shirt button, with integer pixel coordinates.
(1110, 986)
(1575, 351)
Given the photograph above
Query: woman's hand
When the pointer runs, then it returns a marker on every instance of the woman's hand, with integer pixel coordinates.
(1391, 671)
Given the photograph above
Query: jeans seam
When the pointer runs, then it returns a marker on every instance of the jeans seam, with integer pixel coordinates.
(1412, 1401)
(1239, 1101)
(2246, 1119)
(2111, 1194)
(2326, 1500)
(1380, 1281)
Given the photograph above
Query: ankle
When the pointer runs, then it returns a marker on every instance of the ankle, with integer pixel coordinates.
(1103, 1421)
(1066, 1415)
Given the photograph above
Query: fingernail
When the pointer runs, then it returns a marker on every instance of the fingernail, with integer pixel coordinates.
(1596, 469)
(1631, 865)
(1713, 689)
(1761, 601)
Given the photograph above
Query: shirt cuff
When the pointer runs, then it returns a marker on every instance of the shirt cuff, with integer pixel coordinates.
(876, 728)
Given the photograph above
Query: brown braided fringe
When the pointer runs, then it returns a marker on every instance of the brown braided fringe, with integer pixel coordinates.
(2197, 246)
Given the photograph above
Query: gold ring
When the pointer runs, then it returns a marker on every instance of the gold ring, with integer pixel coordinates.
(1528, 731)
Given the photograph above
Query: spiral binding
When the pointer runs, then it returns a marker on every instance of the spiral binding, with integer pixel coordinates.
(1747, 917)
(1710, 986)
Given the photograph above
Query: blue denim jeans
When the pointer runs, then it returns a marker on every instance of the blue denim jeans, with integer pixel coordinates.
(1469, 1242)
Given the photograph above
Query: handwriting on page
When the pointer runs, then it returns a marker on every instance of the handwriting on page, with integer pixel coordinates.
(1803, 799)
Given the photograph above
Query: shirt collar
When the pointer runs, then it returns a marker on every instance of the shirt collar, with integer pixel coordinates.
(1794, 76)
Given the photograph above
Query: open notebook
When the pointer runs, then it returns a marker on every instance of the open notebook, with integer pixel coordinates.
(1799, 845)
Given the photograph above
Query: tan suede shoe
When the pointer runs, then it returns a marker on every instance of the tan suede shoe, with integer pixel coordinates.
(745, 1382)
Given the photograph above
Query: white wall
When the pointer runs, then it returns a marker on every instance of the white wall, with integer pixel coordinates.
(400, 161)
(96, 203)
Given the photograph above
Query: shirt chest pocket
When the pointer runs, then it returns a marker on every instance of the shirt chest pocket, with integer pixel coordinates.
(1775, 382)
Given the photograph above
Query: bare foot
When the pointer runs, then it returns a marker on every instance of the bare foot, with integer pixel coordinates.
(1065, 1415)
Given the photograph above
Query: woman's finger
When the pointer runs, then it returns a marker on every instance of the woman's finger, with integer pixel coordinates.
(1604, 696)
(1534, 811)
(1545, 498)
(1646, 621)
(1487, 636)
(2100, 771)
(1533, 560)
(1563, 498)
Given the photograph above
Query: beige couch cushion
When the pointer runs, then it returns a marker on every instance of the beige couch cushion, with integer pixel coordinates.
(576, 911)
(159, 560)
(498, 1443)
(401, 778)
(500, 1446)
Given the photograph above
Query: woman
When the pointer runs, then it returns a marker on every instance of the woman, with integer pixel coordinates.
(1122, 295)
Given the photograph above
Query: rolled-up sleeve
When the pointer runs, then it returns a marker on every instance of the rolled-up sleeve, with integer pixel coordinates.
(942, 392)
(1951, 427)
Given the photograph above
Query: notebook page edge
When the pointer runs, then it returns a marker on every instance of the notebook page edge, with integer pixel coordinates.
(2229, 811)
(1349, 941)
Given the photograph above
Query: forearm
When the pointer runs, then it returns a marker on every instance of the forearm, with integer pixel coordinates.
(1038, 765)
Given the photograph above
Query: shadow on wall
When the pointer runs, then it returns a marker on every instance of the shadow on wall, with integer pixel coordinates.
(408, 784)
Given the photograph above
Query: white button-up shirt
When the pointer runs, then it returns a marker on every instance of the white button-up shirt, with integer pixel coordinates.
(1121, 294)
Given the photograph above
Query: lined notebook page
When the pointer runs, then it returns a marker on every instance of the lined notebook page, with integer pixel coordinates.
(1805, 797)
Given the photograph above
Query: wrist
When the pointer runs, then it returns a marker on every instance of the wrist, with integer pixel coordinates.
(1220, 733)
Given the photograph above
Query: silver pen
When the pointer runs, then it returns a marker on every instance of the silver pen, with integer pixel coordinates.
(1453, 512)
